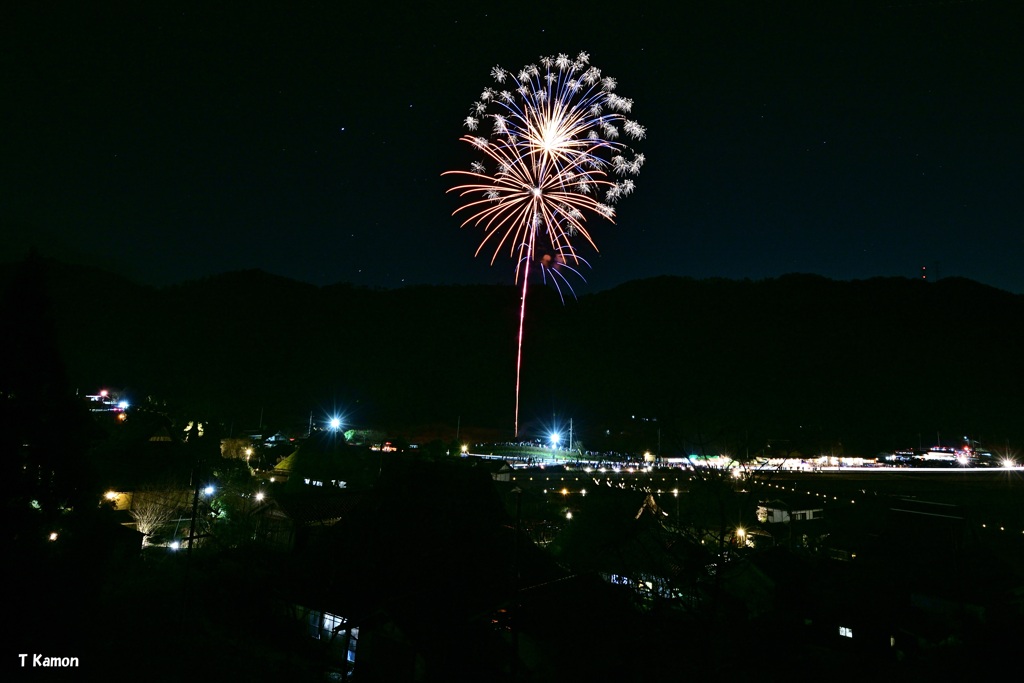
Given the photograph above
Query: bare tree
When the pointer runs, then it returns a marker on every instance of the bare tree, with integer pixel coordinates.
(151, 509)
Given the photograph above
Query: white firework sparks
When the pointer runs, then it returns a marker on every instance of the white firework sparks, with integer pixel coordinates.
(554, 139)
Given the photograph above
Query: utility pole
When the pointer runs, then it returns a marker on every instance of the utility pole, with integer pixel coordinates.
(186, 576)
(195, 507)
(514, 663)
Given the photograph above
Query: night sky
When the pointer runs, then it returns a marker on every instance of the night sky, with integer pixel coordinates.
(308, 139)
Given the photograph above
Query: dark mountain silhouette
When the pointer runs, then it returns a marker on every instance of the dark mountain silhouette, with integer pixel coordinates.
(799, 361)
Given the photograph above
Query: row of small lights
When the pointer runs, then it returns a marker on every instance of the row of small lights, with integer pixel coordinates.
(740, 532)
(583, 492)
(794, 488)
(825, 497)
(675, 492)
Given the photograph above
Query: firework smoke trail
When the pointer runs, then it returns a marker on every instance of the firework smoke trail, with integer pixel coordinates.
(552, 157)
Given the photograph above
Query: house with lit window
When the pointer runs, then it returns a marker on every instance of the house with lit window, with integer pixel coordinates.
(779, 511)
(622, 538)
(339, 635)
(499, 470)
(290, 520)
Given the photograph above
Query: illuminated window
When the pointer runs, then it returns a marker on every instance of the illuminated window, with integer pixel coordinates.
(846, 631)
(353, 639)
(333, 623)
(327, 626)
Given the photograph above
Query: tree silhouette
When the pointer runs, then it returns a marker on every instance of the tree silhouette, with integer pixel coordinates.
(44, 429)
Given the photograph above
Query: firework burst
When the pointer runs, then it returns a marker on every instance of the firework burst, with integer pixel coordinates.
(550, 158)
